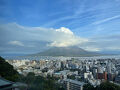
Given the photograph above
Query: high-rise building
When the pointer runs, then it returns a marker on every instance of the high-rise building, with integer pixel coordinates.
(99, 70)
(109, 68)
(95, 72)
(105, 75)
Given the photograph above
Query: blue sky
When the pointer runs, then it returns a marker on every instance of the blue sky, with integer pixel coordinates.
(30, 26)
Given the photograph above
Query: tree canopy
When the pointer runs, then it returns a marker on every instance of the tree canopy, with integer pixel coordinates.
(40, 83)
(103, 86)
(7, 71)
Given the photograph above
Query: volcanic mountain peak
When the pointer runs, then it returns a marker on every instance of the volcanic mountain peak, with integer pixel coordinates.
(66, 51)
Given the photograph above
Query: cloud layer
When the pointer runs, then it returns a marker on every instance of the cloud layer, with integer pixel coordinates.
(16, 38)
(31, 37)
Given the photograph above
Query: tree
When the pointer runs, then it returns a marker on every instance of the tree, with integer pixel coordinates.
(88, 87)
(7, 71)
(103, 86)
(108, 86)
(40, 83)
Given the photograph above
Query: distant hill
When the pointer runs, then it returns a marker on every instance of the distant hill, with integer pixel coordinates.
(66, 51)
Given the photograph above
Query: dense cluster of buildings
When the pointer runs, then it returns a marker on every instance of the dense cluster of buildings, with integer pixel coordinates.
(73, 72)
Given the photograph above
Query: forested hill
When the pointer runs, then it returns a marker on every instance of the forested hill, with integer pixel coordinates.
(7, 71)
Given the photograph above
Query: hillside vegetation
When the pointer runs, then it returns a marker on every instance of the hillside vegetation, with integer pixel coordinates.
(7, 71)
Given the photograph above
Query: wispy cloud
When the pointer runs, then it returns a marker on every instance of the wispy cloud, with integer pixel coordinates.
(16, 43)
(76, 12)
(106, 20)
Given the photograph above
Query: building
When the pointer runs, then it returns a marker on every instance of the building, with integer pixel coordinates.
(95, 72)
(73, 85)
(102, 76)
(8, 85)
(88, 75)
(117, 79)
(111, 76)
(105, 75)
(99, 69)
(109, 68)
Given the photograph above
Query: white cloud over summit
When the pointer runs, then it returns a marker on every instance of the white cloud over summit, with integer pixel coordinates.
(19, 35)
(65, 30)
(65, 37)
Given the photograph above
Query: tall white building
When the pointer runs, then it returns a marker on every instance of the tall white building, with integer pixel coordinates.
(109, 68)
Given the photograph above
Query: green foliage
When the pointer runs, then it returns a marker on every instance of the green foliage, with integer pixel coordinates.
(108, 86)
(71, 77)
(88, 87)
(7, 71)
(103, 86)
(40, 83)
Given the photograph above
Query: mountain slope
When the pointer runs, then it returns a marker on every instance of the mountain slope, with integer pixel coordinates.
(66, 51)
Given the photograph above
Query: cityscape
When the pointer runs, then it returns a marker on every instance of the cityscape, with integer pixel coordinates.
(71, 71)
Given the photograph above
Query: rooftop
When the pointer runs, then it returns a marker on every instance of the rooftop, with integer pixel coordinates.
(4, 82)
